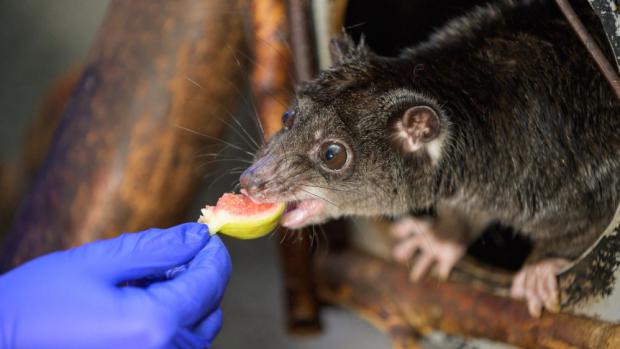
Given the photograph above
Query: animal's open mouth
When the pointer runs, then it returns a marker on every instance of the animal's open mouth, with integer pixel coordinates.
(301, 213)
(298, 213)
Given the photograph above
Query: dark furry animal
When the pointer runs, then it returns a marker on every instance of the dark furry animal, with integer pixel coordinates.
(500, 116)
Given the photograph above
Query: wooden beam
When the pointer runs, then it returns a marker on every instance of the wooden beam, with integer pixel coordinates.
(381, 291)
(123, 158)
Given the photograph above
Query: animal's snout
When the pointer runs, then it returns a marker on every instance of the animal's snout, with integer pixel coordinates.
(254, 180)
(249, 181)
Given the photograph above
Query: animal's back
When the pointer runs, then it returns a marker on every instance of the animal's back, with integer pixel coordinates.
(535, 123)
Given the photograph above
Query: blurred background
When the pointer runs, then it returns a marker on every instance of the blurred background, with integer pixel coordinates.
(39, 41)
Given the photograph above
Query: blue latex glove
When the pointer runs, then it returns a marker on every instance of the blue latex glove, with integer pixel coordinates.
(72, 299)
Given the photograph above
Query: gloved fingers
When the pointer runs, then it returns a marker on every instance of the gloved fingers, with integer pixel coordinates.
(210, 327)
(203, 334)
(157, 277)
(136, 255)
(186, 339)
(198, 290)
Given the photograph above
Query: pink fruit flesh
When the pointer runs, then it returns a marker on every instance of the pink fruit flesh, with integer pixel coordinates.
(239, 204)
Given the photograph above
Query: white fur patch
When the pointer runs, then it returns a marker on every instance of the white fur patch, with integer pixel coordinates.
(434, 148)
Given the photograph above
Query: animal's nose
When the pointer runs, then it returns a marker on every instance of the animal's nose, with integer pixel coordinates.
(249, 181)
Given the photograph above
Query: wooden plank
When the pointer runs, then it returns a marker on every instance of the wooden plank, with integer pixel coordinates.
(122, 159)
(362, 283)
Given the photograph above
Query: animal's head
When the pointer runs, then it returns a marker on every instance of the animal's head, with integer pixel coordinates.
(355, 141)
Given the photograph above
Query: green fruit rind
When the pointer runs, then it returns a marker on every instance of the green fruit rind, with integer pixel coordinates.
(239, 226)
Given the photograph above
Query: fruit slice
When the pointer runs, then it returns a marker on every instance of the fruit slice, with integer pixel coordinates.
(238, 216)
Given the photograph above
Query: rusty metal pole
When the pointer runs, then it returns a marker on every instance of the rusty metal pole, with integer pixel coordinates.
(272, 87)
(270, 78)
(119, 161)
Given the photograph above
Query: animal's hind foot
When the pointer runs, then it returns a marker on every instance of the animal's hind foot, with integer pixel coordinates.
(537, 284)
(415, 235)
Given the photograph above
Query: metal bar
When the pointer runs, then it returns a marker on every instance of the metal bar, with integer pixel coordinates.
(606, 68)
(302, 39)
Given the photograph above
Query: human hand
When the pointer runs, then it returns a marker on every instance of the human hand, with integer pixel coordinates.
(72, 299)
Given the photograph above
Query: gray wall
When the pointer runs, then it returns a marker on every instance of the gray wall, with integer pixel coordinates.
(39, 39)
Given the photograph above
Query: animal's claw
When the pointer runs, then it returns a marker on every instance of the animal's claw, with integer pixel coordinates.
(537, 284)
(417, 235)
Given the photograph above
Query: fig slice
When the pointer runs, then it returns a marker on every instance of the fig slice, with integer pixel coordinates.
(236, 215)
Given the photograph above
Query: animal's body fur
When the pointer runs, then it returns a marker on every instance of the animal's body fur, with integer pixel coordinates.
(530, 129)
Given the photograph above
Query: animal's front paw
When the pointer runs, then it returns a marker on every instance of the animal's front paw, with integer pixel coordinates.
(418, 235)
(537, 284)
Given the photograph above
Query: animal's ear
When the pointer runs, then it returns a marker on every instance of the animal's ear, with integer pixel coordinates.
(416, 127)
(343, 49)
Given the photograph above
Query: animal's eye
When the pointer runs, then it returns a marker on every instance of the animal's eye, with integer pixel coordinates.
(288, 118)
(333, 155)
